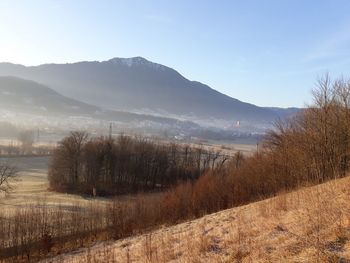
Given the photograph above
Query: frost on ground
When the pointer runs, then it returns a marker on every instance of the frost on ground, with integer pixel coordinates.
(309, 225)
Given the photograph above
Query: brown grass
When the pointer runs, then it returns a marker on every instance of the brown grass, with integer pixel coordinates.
(308, 225)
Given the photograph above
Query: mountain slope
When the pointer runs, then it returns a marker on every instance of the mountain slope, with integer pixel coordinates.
(136, 84)
(26, 96)
(31, 97)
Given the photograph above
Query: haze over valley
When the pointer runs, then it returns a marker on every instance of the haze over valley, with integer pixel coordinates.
(133, 93)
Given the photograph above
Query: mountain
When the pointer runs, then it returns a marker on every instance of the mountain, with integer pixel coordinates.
(138, 85)
(22, 96)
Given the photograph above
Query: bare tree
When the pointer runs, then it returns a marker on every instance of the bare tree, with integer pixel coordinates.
(8, 175)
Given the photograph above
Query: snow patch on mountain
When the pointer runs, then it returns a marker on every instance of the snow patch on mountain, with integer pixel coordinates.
(136, 61)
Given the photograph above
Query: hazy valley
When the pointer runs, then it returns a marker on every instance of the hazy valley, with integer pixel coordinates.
(156, 93)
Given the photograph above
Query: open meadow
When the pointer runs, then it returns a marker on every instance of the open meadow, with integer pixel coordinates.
(32, 187)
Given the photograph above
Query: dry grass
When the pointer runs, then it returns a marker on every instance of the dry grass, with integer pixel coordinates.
(308, 225)
(33, 187)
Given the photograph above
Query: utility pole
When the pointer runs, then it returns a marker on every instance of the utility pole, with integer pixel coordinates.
(38, 136)
(110, 131)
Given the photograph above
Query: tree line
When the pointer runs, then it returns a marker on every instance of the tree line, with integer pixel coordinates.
(126, 164)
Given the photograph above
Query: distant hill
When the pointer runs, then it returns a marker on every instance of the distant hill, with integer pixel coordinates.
(138, 85)
(31, 97)
(26, 96)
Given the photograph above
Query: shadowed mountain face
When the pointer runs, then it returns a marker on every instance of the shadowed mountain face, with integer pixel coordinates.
(136, 84)
(29, 97)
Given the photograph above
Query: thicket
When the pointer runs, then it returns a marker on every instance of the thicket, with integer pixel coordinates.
(125, 164)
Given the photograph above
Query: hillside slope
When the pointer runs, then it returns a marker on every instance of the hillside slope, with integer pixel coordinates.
(308, 225)
(136, 84)
(25, 96)
(31, 97)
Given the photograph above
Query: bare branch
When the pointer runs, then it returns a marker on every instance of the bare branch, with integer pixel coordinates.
(8, 175)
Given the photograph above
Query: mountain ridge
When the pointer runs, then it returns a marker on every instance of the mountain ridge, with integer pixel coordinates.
(139, 85)
(27, 96)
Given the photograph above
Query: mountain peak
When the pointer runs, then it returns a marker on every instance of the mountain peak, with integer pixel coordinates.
(135, 61)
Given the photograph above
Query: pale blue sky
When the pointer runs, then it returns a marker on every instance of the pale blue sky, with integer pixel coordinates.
(265, 52)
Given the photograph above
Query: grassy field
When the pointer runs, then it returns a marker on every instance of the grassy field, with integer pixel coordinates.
(33, 186)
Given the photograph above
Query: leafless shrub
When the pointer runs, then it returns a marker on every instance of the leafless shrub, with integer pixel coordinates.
(8, 175)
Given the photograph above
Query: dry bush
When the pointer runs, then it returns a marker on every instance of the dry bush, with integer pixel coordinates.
(8, 176)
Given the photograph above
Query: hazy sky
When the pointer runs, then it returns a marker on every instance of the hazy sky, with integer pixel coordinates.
(264, 52)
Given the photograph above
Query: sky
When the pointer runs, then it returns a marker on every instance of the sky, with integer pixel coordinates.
(269, 53)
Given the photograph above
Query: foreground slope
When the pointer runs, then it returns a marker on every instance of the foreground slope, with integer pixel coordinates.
(309, 225)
